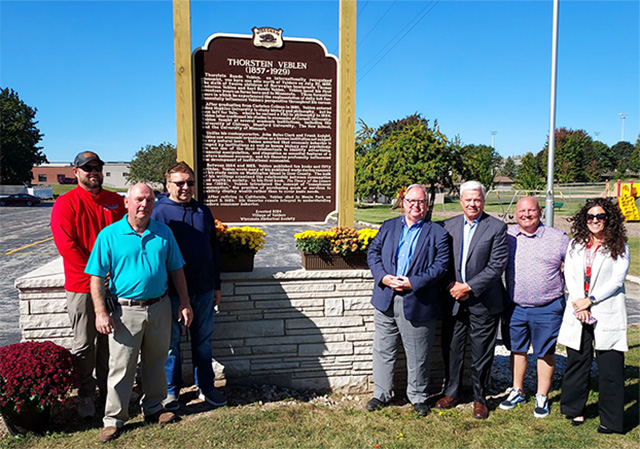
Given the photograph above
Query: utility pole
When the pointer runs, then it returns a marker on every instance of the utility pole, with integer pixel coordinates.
(493, 139)
(623, 116)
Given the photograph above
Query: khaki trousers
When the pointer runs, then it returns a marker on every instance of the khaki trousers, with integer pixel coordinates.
(144, 331)
(90, 347)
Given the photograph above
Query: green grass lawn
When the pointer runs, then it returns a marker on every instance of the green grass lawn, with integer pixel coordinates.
(634, 250)
(379, 213)
(289, 423)
(59, 189)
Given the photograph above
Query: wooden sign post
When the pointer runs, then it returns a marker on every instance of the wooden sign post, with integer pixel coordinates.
(346, 99)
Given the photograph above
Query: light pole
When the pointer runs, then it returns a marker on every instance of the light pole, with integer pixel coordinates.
(549, 203)
(623, 116)
(493, 139)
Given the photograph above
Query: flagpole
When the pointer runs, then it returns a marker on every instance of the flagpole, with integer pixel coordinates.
(552, 117)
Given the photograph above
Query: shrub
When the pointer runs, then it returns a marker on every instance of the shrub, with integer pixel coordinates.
(36, 373)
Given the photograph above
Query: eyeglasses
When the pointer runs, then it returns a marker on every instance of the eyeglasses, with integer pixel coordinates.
(418, 202)
(181, 183)
(600, 217)
(90, 168)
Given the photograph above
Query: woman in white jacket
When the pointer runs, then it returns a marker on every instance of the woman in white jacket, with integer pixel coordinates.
(595, 268)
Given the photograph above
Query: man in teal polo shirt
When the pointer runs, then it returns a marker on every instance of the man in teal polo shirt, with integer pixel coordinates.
(137, 254)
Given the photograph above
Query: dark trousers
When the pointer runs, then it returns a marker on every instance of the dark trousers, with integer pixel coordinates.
(483, 330)
(575, 384)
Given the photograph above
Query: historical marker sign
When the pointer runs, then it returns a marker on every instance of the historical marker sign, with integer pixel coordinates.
(266, 127)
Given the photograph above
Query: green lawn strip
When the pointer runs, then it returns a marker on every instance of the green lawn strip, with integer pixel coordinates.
(59, 189)
(309, 425)
(634, 251)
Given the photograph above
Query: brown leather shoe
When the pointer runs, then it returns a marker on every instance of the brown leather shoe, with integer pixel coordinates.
(447, 402)
(108, 433)
(480, 411)
(162, 417)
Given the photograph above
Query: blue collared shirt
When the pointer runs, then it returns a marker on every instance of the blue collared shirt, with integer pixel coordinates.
(138, 263)
(468, 229)
(407, 246)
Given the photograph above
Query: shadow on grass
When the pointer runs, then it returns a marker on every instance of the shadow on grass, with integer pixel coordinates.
(631, 398)
(241, 395)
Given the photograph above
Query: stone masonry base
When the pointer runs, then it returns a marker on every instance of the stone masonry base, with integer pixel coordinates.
(298, 329)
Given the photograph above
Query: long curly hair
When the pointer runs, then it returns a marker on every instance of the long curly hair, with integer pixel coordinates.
(615, 234)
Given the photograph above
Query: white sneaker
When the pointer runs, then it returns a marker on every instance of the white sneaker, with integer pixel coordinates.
(515, 397)
(86, 407)
(542, 406)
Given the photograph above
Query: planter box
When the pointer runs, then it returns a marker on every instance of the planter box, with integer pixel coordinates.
(334, 261)
(236, 262)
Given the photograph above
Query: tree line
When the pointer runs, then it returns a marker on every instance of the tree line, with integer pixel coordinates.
(413, 150)
(387, 158)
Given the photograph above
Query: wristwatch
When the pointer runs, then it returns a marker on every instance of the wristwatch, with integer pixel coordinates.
(593, 299)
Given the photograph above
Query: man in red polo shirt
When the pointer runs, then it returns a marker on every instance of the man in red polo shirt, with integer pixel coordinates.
(76, 219)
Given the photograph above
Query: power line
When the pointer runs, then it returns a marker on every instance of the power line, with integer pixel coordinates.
(362, 9)
(401, 37)
(415, 20)
(376, 24)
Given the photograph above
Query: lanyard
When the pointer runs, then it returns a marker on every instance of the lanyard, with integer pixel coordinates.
(589, 256)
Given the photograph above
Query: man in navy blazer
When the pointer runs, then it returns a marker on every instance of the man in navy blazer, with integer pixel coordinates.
(408, 257)
(480, 253)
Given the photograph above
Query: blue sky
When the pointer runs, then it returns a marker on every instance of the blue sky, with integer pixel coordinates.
(101, 72)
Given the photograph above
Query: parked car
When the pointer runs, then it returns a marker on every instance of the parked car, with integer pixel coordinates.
(19, 198)
(62, 179)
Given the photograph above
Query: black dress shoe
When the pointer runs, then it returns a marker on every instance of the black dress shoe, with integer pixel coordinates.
(606, 430)
(375, 404)
(576, 423)
(421, 409)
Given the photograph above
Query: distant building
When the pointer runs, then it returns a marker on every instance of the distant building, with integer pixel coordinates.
(503, 183)
(62, 173)
(114, 174)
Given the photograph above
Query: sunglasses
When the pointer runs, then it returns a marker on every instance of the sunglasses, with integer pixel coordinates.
(181, 183)
(90, 168)
(600, 217)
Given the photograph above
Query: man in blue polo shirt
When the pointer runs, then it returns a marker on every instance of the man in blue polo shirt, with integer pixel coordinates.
(137, 254)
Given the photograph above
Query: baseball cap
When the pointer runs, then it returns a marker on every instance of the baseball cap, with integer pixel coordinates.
(85, 157)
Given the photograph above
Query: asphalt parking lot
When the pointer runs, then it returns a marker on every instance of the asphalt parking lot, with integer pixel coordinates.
(26, 244)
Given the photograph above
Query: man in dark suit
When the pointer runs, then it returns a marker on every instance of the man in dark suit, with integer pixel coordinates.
(408, 257)
(476, 291)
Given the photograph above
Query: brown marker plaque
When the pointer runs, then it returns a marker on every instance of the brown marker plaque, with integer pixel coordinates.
(266, 129)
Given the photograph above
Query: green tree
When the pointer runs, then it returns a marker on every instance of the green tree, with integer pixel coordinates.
(634, 160)
(151, 162)
(623, 152)
(19, 138)
(530, 173)
(365, 138)
(480, 163)
(573, 154)
(604, 157)
(403, 152)
(509, 168)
